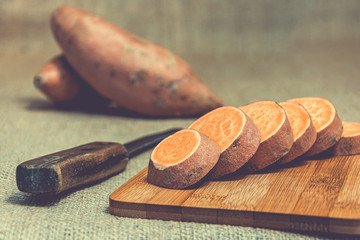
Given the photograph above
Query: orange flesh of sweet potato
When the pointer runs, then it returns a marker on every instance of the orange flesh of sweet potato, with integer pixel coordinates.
(349, 143)
(236, 134)
(182, 159)
(131, 71)
(61, 84)
(175, 149)
(350, 129)
(303, 130)
(276, 133)
(326, 122)
(267, 116)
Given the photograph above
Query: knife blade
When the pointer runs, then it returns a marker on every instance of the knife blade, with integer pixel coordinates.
(84, 164)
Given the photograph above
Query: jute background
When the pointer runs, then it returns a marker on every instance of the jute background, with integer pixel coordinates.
(243, 50)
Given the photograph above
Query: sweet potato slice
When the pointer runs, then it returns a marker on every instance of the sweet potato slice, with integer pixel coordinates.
(326, 121)
(349, 143)
(182, 159)
(236, 134)
(276, 133)
(303, 130)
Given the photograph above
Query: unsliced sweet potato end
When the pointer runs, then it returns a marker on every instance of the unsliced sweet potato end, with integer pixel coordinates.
(39, 81)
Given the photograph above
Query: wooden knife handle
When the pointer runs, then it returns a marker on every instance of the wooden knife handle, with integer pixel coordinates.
(57, 172)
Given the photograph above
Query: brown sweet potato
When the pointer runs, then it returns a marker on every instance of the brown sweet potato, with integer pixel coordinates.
(303, 130)
(326, 121)
(131, 71)
(182, 159)
(349, 143)
(276, 133)
(236, 134)
(62, 85)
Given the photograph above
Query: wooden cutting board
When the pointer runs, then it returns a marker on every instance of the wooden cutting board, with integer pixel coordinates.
(313, 195)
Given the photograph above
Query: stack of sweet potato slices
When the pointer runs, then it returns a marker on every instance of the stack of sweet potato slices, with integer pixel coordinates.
(253, 137)
(326, 121)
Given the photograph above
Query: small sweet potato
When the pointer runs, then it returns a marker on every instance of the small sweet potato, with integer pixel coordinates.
(182, 159)
(236, 134)
(131, 71)
(303, 130)
(58, 81)
(326, 122)
(349, 143)
(276, 133)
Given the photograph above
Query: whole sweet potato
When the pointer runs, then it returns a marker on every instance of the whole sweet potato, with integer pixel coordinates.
(131, 71)
(62, 85)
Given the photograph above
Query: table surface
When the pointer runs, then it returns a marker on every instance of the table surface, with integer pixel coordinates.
(31, 126)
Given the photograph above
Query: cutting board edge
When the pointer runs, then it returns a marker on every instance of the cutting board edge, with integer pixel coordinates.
(279, 221)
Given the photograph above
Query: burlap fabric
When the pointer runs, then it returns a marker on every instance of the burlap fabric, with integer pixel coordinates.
(244, 51)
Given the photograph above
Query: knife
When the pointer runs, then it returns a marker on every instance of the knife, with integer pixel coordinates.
(85, 164)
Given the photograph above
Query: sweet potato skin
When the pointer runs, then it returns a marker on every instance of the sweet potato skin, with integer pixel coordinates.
(133, 72)
(188, 172)
(272, 149)
(239, 152)
(302, 144)
(347, 145)
(327, 137)
(58, 81)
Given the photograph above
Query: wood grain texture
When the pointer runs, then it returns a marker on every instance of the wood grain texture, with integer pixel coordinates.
(311, 195)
